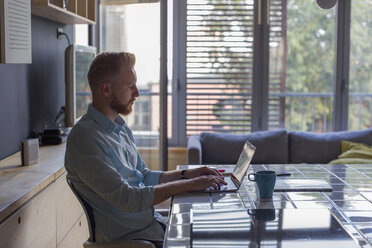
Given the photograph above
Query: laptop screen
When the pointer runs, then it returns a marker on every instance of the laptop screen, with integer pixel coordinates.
(243, 162)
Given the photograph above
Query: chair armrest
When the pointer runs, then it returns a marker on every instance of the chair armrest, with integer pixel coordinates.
(194, 150)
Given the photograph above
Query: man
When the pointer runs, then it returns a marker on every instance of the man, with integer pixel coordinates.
(103, 162)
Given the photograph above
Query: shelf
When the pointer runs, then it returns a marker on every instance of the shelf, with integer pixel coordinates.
(76, 11)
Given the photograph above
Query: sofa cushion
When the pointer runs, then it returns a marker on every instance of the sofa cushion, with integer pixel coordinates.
(223, 148)
(354, 153)
(309, 147)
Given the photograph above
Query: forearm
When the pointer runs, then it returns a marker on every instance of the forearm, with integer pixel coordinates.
(194, 180)
(169, 176)
(166, 190)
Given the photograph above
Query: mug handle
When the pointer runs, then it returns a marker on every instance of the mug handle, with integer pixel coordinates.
(251, 211)
(252, 179)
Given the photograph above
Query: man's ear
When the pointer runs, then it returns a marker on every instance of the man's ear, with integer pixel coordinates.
(106, 89)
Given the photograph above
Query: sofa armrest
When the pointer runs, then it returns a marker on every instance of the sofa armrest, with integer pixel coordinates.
(194, 150)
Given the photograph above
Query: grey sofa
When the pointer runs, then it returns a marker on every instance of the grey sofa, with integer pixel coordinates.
(273, 147)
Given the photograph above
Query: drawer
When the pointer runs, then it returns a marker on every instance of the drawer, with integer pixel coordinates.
(34, 224)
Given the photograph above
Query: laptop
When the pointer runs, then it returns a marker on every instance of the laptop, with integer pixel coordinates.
(236, 178)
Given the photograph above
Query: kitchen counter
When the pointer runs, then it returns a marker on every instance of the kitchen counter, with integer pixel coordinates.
(18, 184)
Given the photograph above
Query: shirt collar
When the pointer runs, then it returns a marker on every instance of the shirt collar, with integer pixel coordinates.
(105, 122)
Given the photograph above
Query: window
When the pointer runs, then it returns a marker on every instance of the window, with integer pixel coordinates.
(247, 65)
(136, 28)
(254, 65)
(81, 34)
(302, 52)
(360, 94)
(219, 61)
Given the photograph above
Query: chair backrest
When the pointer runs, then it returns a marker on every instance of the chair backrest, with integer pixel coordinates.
(88, 212)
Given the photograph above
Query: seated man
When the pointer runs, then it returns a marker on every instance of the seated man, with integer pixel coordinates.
(103, 162)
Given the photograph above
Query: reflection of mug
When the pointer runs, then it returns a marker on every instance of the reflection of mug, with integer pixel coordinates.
(265, 181)
(262, 214)
(266, 204)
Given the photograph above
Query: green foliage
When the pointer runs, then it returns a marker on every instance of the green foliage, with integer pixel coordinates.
(311, 37)
(311, 46)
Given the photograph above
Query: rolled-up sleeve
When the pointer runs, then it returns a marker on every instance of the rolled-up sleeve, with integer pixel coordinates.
(86, 156)
(151, 177)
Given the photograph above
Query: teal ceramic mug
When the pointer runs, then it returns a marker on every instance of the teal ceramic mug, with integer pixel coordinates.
(265, 181)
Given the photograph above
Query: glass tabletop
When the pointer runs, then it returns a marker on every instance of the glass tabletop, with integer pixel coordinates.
(350, 204)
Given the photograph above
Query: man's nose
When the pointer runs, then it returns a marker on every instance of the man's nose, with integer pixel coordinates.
(136, 93)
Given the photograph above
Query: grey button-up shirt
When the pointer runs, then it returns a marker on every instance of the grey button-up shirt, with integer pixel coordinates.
(103, 163)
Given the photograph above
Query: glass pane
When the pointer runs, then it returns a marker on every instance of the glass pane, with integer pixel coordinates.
(136, 28)
(302, 52)
(81, 34)
(360, 94)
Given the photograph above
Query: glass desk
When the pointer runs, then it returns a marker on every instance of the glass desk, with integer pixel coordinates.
(348, 207)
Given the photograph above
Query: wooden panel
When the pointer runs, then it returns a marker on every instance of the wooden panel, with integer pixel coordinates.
(82, 8)
(77, 235)
(71, 6)
(59, 3)
(40, 2)
(68, 208)
(34, 225)
(92, 10)
(53, 12)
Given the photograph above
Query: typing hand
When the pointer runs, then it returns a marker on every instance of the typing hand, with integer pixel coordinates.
(204, 182)
(210, 189)
(202, 171)
(219, 187)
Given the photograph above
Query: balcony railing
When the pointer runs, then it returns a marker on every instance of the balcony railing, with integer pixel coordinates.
(304, 111)
(313, 111)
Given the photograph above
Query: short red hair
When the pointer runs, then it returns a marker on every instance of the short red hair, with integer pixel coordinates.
(105, 66)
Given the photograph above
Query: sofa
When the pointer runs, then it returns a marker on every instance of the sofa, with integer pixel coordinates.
(273, 147)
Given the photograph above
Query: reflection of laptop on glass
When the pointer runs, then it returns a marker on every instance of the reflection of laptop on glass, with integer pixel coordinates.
(235, 179)
(302, 185)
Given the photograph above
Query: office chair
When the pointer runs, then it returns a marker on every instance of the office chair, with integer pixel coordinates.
(91, 242)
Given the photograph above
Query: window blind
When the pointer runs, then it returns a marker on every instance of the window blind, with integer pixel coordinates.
(219, 66)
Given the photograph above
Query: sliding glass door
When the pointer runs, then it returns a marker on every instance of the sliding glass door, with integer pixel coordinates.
(302, 63)
(136, 28)
(360, 90)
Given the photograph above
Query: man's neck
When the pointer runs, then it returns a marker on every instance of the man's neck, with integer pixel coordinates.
(107, 111)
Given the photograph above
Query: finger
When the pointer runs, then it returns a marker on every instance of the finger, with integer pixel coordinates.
(213, 171)
(216, 186)
(221, 180)
(219, 172)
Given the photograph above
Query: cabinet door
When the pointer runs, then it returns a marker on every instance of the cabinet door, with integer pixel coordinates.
(77, 235)
(69, 209)
(34, 225)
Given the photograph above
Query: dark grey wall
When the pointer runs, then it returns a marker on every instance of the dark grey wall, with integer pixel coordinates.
(31, 95)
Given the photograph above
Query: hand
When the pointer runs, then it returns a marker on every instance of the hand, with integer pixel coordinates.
(201, 171)
(205, 181)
